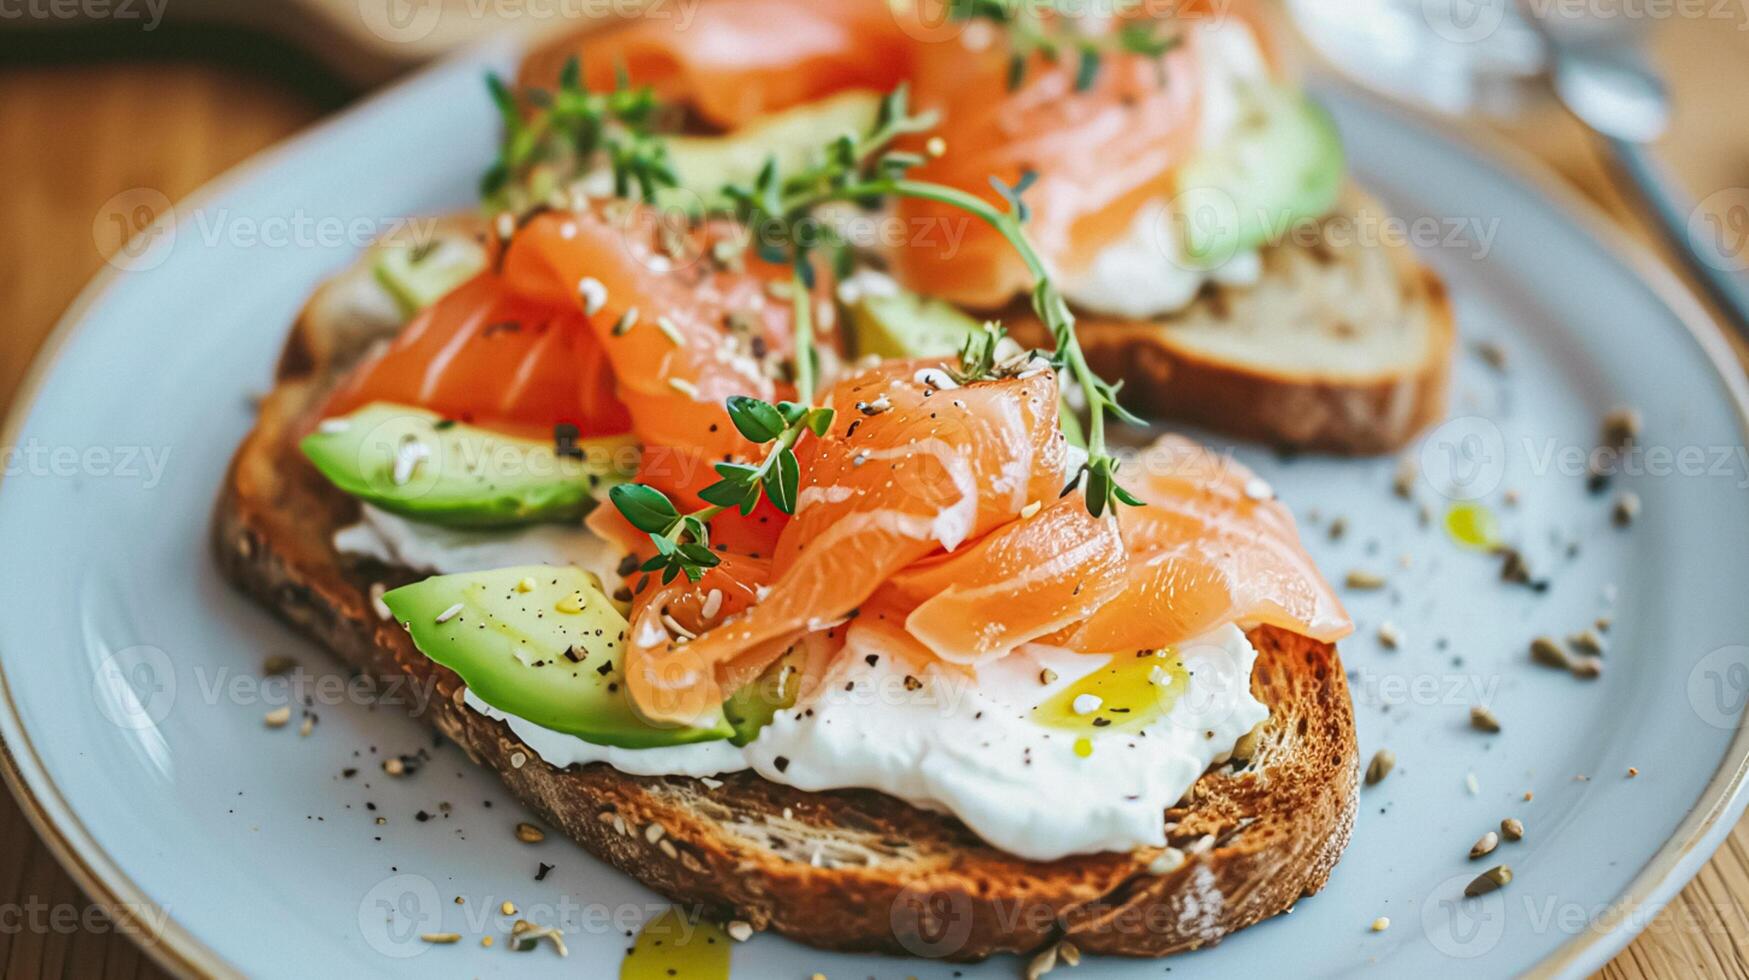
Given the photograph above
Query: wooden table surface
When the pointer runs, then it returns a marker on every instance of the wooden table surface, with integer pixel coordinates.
(83, 118)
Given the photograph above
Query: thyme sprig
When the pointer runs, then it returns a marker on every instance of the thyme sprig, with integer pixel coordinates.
(775, 206)
(682, 541)
(1037, 27)
(569, 132)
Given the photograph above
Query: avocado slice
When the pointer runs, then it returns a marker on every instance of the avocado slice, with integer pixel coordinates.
(540, 642)
(420, 275)
(705, 163)
(415, 463)
(1283, 163)
(752, 707)
(903, 324)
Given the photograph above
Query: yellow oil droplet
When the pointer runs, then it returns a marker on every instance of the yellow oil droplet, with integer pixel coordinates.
(1132, 691)
(673, 945)
(1473, 525)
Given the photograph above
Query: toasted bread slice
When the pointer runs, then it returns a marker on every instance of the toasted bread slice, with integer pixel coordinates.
(1343, 344)
(852, 870)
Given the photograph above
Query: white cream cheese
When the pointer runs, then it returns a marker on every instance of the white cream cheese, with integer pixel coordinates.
(395, 540)
(1145, 273)
(944, 741)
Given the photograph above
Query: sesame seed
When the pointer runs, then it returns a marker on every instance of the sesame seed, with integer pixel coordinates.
(377, 590)
(671, 330)
(1031, 509)
(1381, 923)
(739, 931)
(449, 614)
(683, 386)
(407, 460)
(278, 717)
(331, 427)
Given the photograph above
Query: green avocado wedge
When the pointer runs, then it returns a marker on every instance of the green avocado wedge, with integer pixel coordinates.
(540, 642)
(413, 462)
(420, 275)
(1282, 164)
(902, 324)
(752, 707)
(705, 163)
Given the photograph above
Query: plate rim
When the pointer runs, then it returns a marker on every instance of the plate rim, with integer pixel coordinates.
(1711, 817)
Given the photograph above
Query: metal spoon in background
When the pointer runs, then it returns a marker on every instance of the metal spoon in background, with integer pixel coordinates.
(1603, 79)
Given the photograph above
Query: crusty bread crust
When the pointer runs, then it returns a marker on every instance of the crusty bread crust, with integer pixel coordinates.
(852, 870)
(1170, 372)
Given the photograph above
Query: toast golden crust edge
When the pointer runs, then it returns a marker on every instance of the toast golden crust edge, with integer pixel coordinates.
(1352, 417)
(853, 870)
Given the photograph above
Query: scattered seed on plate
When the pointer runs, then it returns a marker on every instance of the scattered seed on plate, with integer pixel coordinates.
(1490, 880)
(1632, 772)
(1544, 650)
(278, 717)
(1586, 641)
(1587, 668)
(1361, 578)
(1047, 676)
(278, 664)
(530, 834)
(441, 938)
(1403, 480)
(739, 931)
(1512, 828)
(1485, 846)
(1043, 963)
(1622, 426)
(1383, 761)
(1483, 720)
(1390, 637)
(1627, 508)
(1381, 923)
(1472, 784)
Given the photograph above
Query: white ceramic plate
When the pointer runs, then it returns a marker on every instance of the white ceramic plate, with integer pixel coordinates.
(134, 718)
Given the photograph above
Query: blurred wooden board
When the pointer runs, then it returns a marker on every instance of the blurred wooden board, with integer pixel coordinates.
(73, 137)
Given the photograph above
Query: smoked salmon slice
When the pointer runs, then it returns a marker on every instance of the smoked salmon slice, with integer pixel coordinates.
(732, 61)
(1029, 578)
(486, 356)
(914, 464)
(1211, 546)
(1097, 155)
